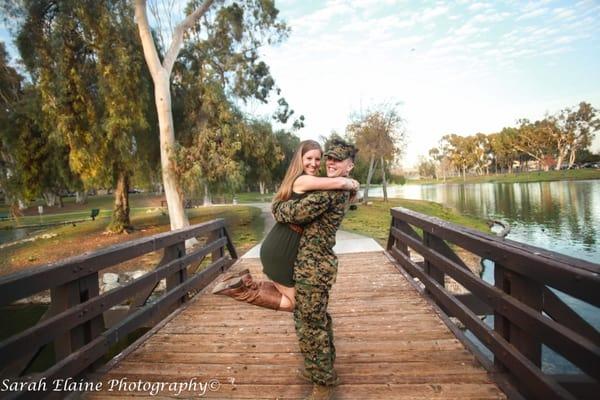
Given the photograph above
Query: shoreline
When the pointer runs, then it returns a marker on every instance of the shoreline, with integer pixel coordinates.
(521, 177)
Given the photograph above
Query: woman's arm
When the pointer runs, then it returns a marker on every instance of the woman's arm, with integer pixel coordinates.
(307, 183)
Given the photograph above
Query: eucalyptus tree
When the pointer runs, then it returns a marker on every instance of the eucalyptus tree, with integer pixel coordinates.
(575, 130)
(535, 140)
(380, 137)
(222, 53)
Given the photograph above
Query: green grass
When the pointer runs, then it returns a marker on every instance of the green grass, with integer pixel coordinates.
(374, 220)
(536, 176)
(244, 223)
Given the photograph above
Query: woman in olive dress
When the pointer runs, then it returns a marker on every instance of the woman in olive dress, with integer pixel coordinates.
(278, 250)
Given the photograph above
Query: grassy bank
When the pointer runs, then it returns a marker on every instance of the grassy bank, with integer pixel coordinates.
(374, 220)
(523, 177)
(245, 224)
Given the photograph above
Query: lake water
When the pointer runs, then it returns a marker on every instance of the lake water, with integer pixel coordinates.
(560, 216)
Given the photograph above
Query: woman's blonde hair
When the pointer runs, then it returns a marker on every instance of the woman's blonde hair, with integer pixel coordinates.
(295, 169)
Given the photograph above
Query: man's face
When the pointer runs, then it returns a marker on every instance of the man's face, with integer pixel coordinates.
(337, 168)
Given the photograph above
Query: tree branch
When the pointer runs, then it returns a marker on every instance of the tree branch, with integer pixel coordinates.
(148, 45)
(180, 29)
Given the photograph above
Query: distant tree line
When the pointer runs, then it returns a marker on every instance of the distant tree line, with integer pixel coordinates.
(555, 142)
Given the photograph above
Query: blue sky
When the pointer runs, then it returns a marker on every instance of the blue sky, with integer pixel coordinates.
(454, 67)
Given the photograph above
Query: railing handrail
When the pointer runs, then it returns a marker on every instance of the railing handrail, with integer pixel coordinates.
(518, 299)
(576, 277)
(74, 321)
(24, 283)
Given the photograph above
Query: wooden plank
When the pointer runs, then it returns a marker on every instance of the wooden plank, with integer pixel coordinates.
(394, 349)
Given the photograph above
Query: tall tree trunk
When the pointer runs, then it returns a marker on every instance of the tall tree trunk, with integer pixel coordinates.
(160, 73)
(572, 156)
(50, 199)
(162, 97)
(559, 160)
(261, 186)
(120, 217)
(385, 196)
(207, 201)
(80, 197)
(22, 204)
(369, 176)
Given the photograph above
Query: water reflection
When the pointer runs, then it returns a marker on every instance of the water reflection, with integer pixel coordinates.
(560, 216)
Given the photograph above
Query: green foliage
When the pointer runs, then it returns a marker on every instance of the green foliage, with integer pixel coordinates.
(219, 66)
(553, 141)
(86, 62)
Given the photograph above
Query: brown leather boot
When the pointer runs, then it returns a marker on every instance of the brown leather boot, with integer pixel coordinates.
(231, 275)
(262, 294)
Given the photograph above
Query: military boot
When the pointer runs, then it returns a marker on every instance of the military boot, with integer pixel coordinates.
(305, 375)
(262, 294)
(321, 392)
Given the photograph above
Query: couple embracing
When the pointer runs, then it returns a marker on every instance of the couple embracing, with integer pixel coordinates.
(297, 255)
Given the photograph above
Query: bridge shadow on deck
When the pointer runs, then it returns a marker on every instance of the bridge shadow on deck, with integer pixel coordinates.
(390, 343)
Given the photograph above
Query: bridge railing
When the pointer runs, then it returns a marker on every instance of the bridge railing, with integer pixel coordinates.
(74, 323)
(525, 300)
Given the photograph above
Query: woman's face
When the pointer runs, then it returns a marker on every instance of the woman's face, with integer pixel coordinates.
(311, 161)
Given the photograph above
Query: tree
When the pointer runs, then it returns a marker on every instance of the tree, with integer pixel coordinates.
(84, 59)
(380, 136)
(535, 140)
(261, 154)
(503, 148)
(224, 30)
(575, 130)
(426, 168)
(287, 143)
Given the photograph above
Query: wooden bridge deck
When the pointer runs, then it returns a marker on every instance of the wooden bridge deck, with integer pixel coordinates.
(390, 342)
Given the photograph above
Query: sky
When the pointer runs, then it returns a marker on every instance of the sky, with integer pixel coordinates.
(453, 67)
(458, 67)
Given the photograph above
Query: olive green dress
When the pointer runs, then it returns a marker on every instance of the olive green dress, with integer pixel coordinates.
(278, 252)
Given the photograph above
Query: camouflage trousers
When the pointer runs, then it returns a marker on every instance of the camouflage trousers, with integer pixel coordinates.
(315, 332)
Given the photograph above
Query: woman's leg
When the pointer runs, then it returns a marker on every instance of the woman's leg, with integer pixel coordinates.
(288, 298)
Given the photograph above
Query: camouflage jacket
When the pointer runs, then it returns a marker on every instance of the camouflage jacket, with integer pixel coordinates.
(320, 213)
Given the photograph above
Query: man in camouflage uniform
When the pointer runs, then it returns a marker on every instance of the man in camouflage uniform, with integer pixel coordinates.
(315, 269)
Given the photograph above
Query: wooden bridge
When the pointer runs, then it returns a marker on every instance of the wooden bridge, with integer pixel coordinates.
(399, 331)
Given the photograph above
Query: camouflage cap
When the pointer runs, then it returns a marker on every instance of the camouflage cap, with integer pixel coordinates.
(340, 150)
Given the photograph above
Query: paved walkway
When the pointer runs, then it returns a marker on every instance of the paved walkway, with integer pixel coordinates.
(346, 242)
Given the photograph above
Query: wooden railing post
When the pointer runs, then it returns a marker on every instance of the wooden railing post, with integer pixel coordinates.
(67, 296)
(501, 323)
(528, 292)
(213, 236)
(437, 244)
(172, 253)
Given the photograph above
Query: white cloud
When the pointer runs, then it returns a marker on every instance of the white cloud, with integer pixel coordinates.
(532, 14)
(478, 6)
(432, 13)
